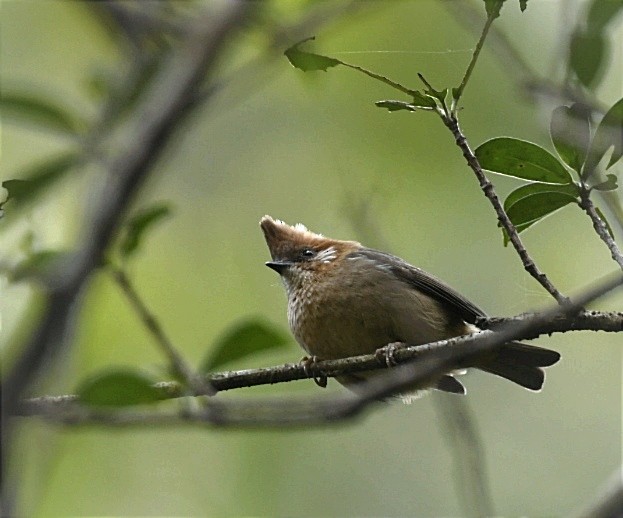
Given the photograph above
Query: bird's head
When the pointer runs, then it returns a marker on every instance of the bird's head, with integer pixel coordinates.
(299, 255)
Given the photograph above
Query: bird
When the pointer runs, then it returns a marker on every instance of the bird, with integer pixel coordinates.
(345, 299)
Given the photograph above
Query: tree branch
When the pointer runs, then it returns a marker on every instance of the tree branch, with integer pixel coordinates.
(600, 227)
(165, 103)
(452, 124)
(454, 352)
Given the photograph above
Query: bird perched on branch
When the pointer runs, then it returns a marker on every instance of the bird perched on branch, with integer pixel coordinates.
(346, 300)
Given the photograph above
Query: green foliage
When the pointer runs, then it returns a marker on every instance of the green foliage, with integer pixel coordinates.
(36, 265)
(44, 114)
(521, 159)
(570, 133)
(493, 7)
(531, 203)
(117, 388)
(607, 185)
(244, 339)
(38, 178)
(394, 106)
(139, 224)
(308, 61)
(589, 46)
(587, 50)
(609, 134)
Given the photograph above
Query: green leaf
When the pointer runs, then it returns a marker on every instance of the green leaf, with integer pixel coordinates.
(531, 203)
(423, 101)
(308, 61)
(570, 133)
(37, 265)
(523, 5)
(609, 134)
(118, 388)
(586, 56)
(244, 339)
(42, 113)
(37, 178)
(394, 106)
(534, 189)
(138, 225)
(601, 13)
(493, 7)
(608, 185)
(605, 221)
(521, 159)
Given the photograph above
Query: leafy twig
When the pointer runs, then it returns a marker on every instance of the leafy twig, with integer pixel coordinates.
(458, 92)
(452, 124)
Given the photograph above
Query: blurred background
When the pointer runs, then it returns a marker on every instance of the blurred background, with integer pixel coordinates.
(312, 148)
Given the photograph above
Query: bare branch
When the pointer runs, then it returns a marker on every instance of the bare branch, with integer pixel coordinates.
(600, 226)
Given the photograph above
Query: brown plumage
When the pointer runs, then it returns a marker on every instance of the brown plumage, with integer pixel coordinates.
(346, 300)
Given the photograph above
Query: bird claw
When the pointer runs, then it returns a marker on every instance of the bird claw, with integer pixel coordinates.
(311, 370)
(387, 354)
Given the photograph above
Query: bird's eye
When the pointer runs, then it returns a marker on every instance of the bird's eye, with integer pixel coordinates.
(308, 253)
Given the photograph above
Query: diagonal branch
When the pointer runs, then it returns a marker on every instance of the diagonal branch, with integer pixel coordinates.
(600, 227)
(529, 265)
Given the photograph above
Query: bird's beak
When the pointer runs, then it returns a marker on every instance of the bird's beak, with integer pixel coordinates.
(279, 266)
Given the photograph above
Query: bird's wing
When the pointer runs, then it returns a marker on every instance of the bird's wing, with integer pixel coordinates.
(424, 282)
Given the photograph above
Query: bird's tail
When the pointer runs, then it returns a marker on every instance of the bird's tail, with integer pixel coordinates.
(520, 363)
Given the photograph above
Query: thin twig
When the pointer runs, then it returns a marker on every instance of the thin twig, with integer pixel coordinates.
(452, 124)
(600, 227)
(468, 73)
(177, 362)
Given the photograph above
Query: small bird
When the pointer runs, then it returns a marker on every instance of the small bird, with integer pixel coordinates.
(346, 300)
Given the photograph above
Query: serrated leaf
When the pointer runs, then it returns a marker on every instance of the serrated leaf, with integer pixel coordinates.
(36, 265)
(521, 159)
(570, 134)
(394, 106)
(609, 134)
(605, 221)
(137, 226)
(41, 112)
(244, 339)
(118, 388)
(37, 177)
(531, 203)
(586, 55)
(608, 185)
(308, 61)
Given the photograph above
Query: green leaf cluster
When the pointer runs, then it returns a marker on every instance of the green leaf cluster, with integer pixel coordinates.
(123, 386)
(551, 186)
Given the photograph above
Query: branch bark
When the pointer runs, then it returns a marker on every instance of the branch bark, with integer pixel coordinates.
(454, 352)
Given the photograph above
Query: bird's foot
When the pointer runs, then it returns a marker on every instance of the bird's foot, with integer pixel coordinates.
(311, 369)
